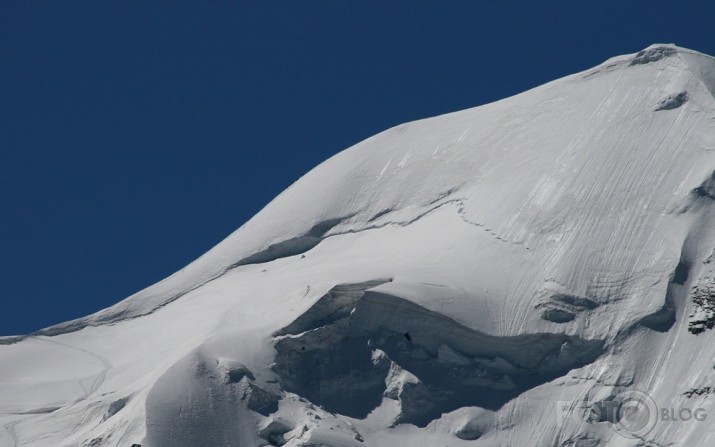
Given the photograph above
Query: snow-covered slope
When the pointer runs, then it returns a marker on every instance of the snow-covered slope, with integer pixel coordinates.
(462, 280)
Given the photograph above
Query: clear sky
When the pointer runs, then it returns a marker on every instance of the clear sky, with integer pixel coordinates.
(134, 136)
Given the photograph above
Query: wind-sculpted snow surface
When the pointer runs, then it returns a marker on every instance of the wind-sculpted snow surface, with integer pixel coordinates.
(468, 279)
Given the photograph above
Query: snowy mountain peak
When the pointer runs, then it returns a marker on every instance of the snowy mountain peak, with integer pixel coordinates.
(447, 281)
(697, 64)
(654, 53)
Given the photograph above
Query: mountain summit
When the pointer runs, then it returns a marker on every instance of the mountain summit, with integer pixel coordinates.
(465, 280)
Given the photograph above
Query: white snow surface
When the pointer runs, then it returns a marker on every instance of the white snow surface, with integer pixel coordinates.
(448, 282)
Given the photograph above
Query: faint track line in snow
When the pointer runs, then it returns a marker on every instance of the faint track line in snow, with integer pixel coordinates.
(10, 429)
(488, 230)
(96, 380)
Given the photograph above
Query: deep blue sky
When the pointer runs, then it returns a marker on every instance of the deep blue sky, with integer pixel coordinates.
(136, 135)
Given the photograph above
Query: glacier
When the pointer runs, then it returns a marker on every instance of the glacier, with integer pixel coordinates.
(467, 279)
